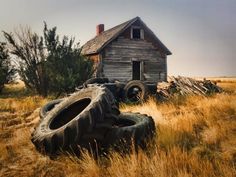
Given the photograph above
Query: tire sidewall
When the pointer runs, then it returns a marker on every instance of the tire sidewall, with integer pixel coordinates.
(99, 80)
(135, 83)
(85, 93)
(142, 128)
(48, 107)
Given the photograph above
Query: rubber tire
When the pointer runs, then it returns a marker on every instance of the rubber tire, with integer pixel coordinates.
(51, 105)
(48, 107)
(135, 83)
(152, 88)
(122, 138)
(112, 87)
(98, 80)
(67, 135)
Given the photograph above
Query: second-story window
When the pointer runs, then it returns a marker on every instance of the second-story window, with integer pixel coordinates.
(137, 33)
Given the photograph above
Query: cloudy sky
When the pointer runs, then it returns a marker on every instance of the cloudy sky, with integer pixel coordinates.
(201, 34)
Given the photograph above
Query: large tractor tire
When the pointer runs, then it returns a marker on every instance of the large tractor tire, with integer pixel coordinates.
(48, 107)
(135, 91)
(78, 114)
(130, 129)
(116, 88)
(98, 80)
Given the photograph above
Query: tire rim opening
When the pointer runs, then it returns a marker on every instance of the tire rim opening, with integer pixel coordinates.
(134, 94)
(69, 113)
(124, 123)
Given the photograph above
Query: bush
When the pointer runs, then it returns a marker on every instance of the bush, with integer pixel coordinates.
(65, 65)
(46, 64)
(6, 71)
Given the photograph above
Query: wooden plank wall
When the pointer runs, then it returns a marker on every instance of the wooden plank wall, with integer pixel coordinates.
(96, 65)
(117, 60)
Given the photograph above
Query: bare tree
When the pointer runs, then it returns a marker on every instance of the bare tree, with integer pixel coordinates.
(30, 55)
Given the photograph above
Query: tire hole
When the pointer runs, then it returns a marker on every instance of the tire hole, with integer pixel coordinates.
(123, 123)
(134, 93)
(69, 113)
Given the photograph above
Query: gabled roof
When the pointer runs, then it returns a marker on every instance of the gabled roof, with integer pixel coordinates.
(96, 44)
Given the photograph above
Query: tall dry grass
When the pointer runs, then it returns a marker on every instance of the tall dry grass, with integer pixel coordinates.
(16, 99)
(196, 136)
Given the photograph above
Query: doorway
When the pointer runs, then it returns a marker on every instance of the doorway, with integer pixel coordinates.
(136, 70)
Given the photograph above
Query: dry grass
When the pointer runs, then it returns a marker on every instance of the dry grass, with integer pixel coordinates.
(219, 79)
(196, 136)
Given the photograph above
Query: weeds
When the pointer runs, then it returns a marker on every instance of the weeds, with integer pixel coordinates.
(196, 136)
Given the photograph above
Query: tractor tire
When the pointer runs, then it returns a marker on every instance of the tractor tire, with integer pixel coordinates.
(130, 129)
(135, 91)
(63, 127)
(48, 107)
(51, 105)
(98, 80)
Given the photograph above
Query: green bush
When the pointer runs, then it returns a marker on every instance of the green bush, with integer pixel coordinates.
(65, 65)
(46, 64)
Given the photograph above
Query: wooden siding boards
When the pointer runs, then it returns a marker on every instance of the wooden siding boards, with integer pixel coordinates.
(114, 53)
(97, 65)
(94, 58)
(118, 56)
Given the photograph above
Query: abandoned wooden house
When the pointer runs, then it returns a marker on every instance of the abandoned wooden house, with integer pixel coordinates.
(129, 51)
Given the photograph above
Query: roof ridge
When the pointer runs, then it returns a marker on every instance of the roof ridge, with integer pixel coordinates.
(98, 42)
(120, 24)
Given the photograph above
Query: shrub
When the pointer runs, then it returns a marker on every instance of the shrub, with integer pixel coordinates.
(46, 64)
(6, 71)
(65, 65)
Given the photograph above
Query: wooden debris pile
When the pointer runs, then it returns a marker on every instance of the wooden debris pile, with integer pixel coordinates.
(184, 86)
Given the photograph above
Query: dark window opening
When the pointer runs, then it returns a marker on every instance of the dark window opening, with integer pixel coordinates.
(136, 33)
(136, 70)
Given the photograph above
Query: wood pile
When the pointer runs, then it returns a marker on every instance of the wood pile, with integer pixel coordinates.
(184, 86)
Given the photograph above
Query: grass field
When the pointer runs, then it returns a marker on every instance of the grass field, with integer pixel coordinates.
(196, 136)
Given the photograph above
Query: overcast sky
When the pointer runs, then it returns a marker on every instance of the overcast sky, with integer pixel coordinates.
(201, 34)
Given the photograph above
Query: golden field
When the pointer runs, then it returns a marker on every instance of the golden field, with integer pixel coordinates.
(195, 136)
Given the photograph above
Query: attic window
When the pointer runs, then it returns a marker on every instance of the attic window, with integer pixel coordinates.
(137, 33)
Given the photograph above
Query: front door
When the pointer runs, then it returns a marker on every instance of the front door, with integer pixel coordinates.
(136, 70)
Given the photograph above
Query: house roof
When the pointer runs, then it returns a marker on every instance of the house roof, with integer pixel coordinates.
(96, 44)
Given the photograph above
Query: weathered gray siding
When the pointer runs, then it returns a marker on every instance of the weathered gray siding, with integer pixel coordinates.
(117, 60)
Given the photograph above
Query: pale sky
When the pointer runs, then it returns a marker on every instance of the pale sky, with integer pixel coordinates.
(201, 34)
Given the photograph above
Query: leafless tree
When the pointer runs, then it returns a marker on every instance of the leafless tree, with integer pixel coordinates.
(30, 55)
